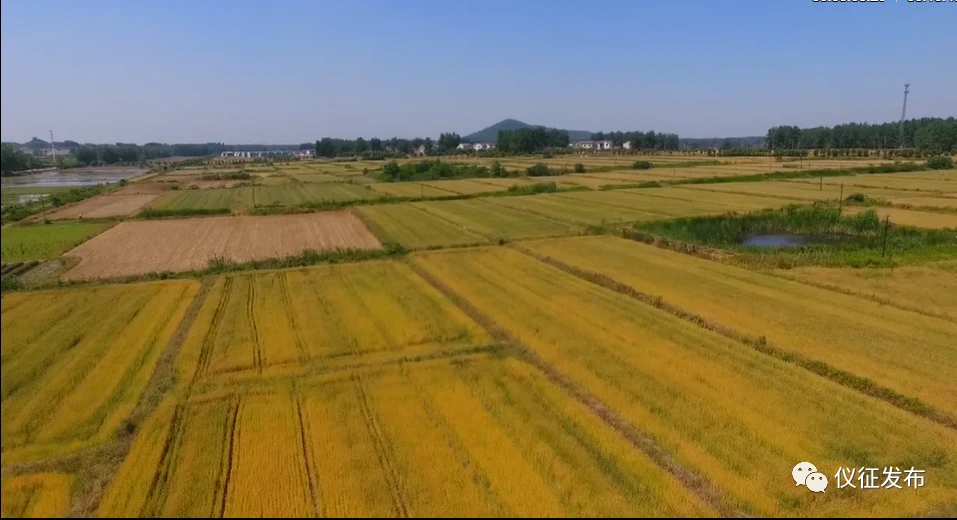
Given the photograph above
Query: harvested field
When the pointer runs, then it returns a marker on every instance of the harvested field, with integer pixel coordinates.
(799, 191)
(146, 188)
(136, 248)
(76, 360)
(906, 217)
(928, 202)
(225, 198)
(207, 185)
(898, 181)
(892, 347)
(737, 417)
(464, 186)
(104, 206)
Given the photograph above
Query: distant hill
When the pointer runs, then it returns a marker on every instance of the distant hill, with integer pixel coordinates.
(490, 134)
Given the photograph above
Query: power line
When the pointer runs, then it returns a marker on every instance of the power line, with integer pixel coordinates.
(904, 113)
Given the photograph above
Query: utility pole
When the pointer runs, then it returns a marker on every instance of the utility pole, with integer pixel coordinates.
(53, 146)
(904, 113)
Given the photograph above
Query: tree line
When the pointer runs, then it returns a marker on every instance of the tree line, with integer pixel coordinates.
(928, 134)
(534, 139)
(373, 148)
(13, 160)
(640, 140)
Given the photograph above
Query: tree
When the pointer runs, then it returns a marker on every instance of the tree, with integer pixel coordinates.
(325, 147)
(361, 145)
(449, 141)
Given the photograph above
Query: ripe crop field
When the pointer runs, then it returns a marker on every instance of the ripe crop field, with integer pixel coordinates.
(737, 417)
(732, 201)
(892, 182)
(75, 361)
(800, 191)
(221, 198)
(492, 221)
(104, 206)
(464, 186)
(573, 211)
(413, 228)
(906, 217)
(43, 241)
(300, 193)
(41, 495)
(477, 437)
(931, 202)
(308, 176)
(141, 247)
(295, 321)
(409, 189)
(929, 289)
(895, 348)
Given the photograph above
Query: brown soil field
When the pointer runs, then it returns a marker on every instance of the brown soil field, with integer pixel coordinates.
(135, 248)
(104, 206)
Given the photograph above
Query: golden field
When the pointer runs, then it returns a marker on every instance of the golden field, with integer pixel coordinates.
(476, 437)
(75, 361)
(893, 347)
(41, 495)
(736, 416)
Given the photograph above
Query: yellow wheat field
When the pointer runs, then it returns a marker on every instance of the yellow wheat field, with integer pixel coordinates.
(294, 321)
(906, 217)
(75, 361)
(736, 416)
(479, 436)
(893, 347)
(43, 495)
(930, 289)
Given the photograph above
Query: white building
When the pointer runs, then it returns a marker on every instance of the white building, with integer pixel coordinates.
(626, 145)
(592, 145)
(478, 147)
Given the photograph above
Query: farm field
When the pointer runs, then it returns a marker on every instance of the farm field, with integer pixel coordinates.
(493, 221)
(907, 217)
(464, 186)
(409, 189)
(931, 202)
(43, 241)
(800, 191)
(15, 195)
(103, 206)
(477, 437)
(141, 247)
(573, 211)
(413, 228)
(734, 201)
(218, 198)
(41, 495)
(736, 416)
(293, 322)
(76, 360)
(891, 181)
(928, 289)
(895, 348)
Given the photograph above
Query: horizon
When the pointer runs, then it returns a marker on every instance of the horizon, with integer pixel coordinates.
(183, 73)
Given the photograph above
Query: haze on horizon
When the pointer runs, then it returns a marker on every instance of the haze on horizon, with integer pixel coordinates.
(295, 71)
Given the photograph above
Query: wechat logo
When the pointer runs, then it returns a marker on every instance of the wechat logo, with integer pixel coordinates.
(806, 474)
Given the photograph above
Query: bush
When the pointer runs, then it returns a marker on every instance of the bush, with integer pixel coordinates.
(941, 162)
(538, 170)
(497, 170)
(641, 165)
(856, 197)
(579, 168)
(531, 189)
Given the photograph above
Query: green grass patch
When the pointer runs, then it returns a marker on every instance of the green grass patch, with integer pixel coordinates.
(43, 241)
(845, 240)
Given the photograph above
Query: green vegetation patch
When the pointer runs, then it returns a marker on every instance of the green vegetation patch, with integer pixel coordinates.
(43, 241)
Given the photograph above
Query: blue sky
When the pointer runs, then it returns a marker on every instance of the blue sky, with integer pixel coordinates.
(289, 72)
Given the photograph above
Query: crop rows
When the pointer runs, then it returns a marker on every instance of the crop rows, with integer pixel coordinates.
(731, 413)
(74, 362)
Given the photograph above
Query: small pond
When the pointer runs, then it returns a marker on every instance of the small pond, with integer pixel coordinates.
(71, 178)
(785, 240)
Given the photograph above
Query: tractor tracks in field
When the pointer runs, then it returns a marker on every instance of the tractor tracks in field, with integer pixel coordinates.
(696, 483)
(760, 343)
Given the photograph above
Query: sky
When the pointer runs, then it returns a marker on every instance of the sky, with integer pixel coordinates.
(281, 71)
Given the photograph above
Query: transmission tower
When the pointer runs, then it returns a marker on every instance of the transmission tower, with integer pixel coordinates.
(53, 146)
(904, 113)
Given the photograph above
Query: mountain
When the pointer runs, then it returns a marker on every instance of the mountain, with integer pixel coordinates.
(490, 134)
